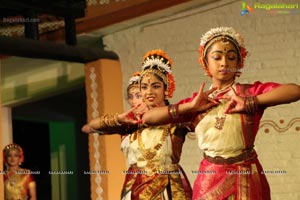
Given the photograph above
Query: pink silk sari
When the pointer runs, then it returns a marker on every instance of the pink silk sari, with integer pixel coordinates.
(238, 181)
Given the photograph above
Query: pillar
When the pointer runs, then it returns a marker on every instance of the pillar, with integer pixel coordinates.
(105, 95)
(1, 146)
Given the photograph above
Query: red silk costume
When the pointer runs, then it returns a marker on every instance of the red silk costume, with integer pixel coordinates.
(230, 168)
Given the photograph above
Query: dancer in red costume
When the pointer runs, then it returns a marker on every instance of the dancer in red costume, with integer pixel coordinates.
(226, 132)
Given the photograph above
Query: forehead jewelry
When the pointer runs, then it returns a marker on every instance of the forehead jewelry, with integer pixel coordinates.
(224, 40)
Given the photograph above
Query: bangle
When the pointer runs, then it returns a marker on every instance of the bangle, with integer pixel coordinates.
(101, 121)
(108, 121)
(116, 119)
(173, 111)
(250, 104)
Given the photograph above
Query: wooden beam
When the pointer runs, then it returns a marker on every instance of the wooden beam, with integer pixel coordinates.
(61, 8)
(52, 50)
(1, 147)
(101, 16)
(70, 30)
(31, 28)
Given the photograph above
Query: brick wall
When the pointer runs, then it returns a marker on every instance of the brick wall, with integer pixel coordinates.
(273, 43)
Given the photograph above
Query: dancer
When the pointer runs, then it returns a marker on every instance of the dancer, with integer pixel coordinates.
(157, 173)
(19, 183)
(226, 132)
(134, 98)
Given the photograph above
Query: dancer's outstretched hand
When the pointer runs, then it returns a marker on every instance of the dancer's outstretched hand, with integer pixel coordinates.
(134, 115)
(87, 129)
(202, 101)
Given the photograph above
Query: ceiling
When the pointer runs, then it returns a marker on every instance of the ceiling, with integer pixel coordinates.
(72, 20)
(59, 8)
(23, 17)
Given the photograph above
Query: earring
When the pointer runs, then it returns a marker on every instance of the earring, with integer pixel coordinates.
(166, 94)
(207, 73)
(238, 74)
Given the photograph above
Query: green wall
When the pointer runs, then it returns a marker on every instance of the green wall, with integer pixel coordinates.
(63, 160)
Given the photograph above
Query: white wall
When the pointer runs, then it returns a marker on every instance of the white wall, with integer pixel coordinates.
(273, 43)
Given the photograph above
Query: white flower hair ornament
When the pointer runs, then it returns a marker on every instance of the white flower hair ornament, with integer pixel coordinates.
(218, 34)
(134, 79)
(222, 31)
(159, 63)
(149, 62)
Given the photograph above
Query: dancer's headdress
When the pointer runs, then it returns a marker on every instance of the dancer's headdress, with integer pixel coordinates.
(9, 147)
(159, 63)
(134, 79)
(218, 34)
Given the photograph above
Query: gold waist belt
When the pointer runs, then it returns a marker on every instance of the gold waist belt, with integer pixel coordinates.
(246, 155)
(161, 169)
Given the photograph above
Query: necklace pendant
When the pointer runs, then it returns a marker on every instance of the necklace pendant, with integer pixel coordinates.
(219, 124)
(150, 168)
(149, 154)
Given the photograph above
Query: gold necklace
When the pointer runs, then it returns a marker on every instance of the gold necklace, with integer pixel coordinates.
(11, 176)
(220, 120)
(217, 92)
(149, 153)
